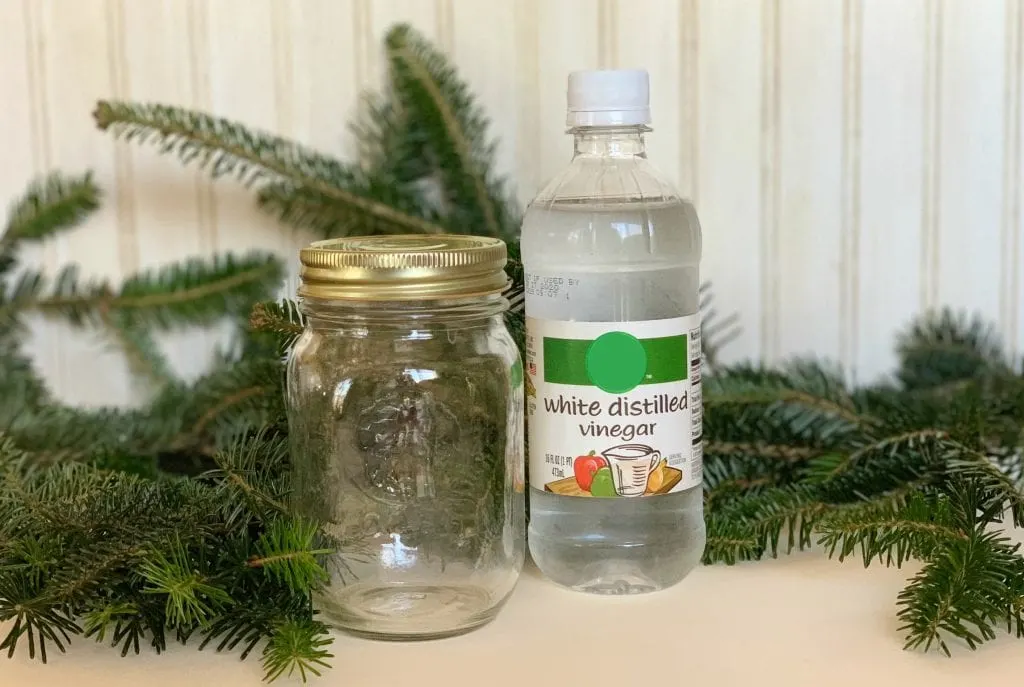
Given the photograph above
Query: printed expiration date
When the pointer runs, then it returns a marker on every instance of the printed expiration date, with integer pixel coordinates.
(550, 287)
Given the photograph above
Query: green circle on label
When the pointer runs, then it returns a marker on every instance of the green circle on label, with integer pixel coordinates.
(616, 362)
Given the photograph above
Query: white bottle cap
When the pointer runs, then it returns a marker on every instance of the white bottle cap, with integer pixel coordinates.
(609, 97)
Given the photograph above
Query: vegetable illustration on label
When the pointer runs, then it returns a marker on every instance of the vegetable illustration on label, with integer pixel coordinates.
(623, 470)
(585, 467)
(634, 387)
(603, 485)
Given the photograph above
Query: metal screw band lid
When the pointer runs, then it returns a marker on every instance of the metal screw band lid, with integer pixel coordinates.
(403, 267)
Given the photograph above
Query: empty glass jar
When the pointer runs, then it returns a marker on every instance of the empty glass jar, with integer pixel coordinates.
(405, 413)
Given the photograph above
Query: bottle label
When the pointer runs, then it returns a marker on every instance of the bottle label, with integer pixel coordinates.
(614, 408)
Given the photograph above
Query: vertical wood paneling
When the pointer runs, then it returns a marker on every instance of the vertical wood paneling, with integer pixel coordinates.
(322, 82)
(528, 143)
(810, 173)
(850, 225)
(567, 41)
(891, 182)
(164, 210)
(1016, 299)
(1009, 301)
(651, 39)
(364, 47)
(688, 101)
(21, 109)
(426, 15)
(202, 94)
(489, 62)
(75, 57)
(730, 163)
(851, 161)
(971, 184)
(124, 194)
(244, 85)
(444, 20)
(931, 163)
(607, 33)
(319, 82)
(24, 138)
(770, 191)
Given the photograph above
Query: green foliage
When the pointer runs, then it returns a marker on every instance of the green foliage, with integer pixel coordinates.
(138, 558)
(193, 293)
(50, 204)
(296, 646)
(288, 551)
(190, 599)
(427, 157)
(948, 347)
(926, 469)
(453, 137)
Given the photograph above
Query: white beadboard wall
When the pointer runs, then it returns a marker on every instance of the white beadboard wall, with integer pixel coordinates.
(853, 161)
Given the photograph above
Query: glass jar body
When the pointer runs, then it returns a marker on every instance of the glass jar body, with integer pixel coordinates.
(406, 430)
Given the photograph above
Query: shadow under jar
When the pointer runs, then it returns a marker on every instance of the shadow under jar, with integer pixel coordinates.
(405, 413)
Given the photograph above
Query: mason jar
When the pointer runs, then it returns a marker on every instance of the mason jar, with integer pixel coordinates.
(405, 414)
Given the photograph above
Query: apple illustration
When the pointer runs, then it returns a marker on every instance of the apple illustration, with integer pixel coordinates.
(584, 468)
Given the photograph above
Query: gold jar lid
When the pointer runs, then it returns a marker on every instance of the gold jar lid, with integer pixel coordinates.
(403, 267)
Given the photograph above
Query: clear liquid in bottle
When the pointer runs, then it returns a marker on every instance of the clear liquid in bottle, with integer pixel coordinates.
(611, 254)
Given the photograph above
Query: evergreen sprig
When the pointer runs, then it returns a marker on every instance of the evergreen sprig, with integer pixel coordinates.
(194, 292)
(139, 559)
(896, 472)
(270, 163)
(50, 204)
(428, 160)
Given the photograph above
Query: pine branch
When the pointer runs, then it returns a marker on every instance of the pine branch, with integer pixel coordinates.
(193, 292)
(145, 359)
(36, 622)
(297, 647)
(288, 551)
(50, 204)
(249, 471)
(892, 531)
(968, 589)
(833, 466)
(999, 492)
(808, 397)
(761, 449)
(944, 347)
(282, 321)
(731, 547)
(307, 208)
(21, 387)
(716, 332)
(227, 148)
(189, 597)
(796, 509)
(432, 97)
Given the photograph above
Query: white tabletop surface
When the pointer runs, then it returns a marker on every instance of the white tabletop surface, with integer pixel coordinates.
(799, 620)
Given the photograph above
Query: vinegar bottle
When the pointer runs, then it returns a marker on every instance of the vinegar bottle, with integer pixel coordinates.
(611, 254)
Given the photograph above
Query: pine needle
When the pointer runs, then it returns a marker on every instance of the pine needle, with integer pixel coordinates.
(414, 59)
(297, 647)
(227, 148)
(289, 552)
(50, 204)
(190, 599)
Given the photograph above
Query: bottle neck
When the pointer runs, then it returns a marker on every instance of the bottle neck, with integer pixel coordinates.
(606, 141)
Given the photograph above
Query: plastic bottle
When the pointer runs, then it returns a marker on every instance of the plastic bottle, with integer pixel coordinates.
(611, 254)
